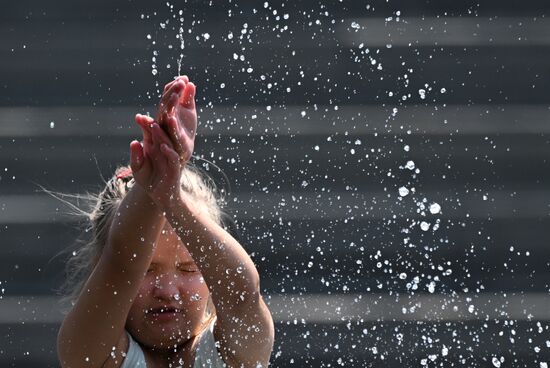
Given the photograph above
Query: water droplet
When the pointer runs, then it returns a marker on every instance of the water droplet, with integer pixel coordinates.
(435, 208)
(410, 165)
(403, 191)
(424, 226)
(52, 124)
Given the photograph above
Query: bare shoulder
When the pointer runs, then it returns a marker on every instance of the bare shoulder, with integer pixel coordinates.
(117, 355)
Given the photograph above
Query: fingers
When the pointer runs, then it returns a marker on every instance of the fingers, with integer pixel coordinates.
(188, 96)
(145, 122)
(172, 128)
(174, 167)
(168, 85)
(161, 140)
(181, 77)
(159, 136)
(169, 99)
(136, 156)
(172, 102)
(180, 90)
(170, 154)
(175, 87)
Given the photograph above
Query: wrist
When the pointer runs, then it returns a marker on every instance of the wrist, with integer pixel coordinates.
(179, 208)
(137, 194)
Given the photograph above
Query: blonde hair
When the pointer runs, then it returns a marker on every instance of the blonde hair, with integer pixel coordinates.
(201, 189)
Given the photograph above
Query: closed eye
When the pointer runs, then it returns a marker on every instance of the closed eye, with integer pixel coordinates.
(188, 268)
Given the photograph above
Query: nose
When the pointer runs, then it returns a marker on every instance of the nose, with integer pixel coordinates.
(166, 288)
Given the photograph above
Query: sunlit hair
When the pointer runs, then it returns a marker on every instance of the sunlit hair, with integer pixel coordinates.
(201, 190)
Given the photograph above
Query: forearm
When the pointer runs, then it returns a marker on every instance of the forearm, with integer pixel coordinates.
(226, 267)
(234, 283)
(102, 307)
(135, 228)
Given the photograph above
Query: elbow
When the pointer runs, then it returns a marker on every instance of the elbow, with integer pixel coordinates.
(64, 348)
(241, 298)
(252, 295)
(71, 353)
(269, 325)
(61, 347)
(247, 290)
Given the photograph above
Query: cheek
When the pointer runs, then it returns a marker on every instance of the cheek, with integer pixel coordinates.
(193, 288)
(198, 284)
(142, 299)
(145, 291)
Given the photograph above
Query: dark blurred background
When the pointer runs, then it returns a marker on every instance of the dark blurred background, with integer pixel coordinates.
(387, 164)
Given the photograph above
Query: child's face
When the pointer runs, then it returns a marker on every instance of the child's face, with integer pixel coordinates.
(172, 298)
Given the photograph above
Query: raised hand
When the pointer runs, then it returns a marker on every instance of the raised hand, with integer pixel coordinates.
(177, 115)
(155, 164)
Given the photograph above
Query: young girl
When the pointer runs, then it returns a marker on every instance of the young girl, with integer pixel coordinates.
(166, 285)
